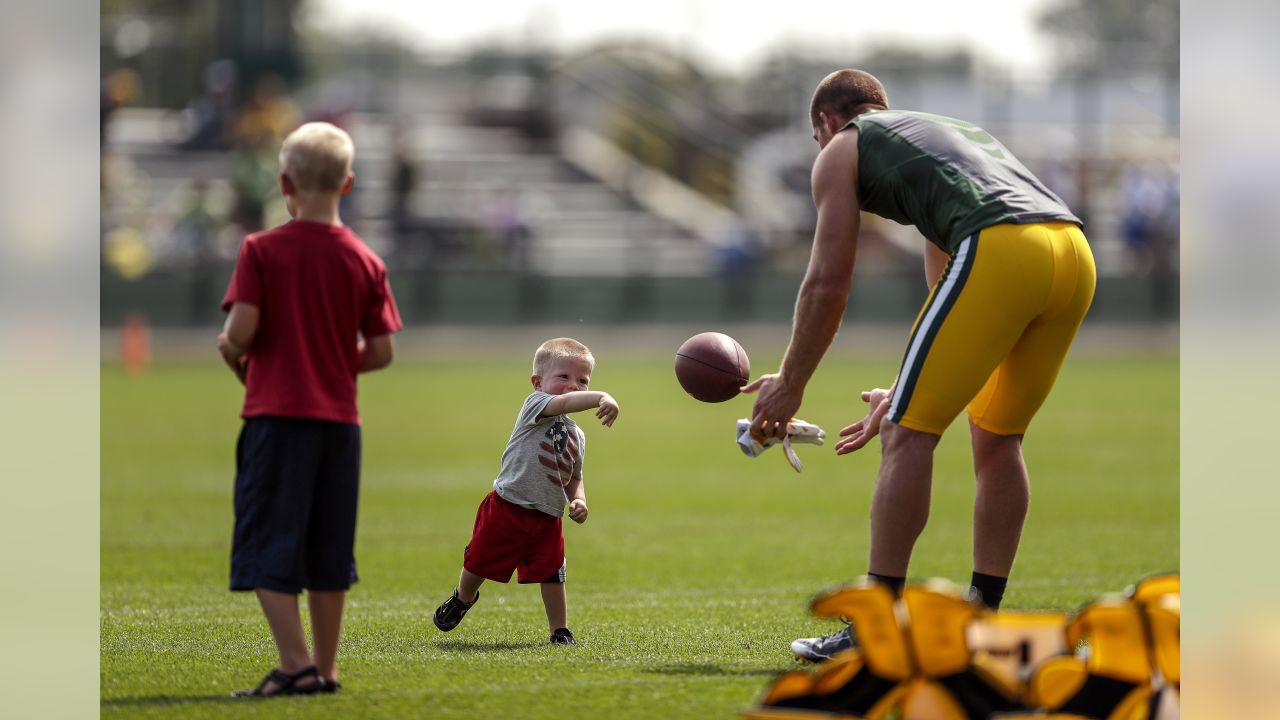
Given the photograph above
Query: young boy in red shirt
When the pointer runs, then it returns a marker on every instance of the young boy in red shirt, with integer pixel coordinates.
(309, 307)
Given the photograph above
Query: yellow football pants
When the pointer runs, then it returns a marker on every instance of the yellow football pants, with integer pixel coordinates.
(995, 329)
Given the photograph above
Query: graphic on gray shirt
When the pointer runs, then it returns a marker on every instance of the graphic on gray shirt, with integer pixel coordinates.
(542, 457)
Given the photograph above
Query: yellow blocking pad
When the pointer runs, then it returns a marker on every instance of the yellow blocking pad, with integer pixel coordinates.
(1156, 586)
(1011, 643)
(836, 672)
(773, 713)
(1038, 716)
(927, 700)
(1160, 598)
(829, 677)
(1135, 706)
(937, 630)
(1164, 621)
(791, 684)
(1055, 681)
(1117, 640)
(870, 607)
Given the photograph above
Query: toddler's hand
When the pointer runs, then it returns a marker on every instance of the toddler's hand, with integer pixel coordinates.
(578, 511)
(608, 411)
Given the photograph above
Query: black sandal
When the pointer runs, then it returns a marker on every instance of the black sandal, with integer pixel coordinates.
(286, 684)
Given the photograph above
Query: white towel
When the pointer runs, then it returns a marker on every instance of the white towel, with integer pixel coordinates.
(798, 431)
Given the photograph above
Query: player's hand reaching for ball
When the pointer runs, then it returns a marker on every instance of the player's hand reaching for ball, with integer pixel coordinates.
(607, 412)
(578, 510)
(860, 433)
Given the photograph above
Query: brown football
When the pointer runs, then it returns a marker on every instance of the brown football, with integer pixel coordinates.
(711, 366)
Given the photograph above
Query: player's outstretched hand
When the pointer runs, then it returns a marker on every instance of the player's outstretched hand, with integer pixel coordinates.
(607, 412)
(578, 511)
(860, 433)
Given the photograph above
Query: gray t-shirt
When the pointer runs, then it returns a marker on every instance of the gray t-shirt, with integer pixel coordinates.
(542, 457)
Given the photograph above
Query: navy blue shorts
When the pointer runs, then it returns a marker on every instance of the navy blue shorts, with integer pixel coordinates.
(297, 484)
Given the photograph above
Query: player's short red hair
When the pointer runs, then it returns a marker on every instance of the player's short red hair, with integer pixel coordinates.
(841, 93)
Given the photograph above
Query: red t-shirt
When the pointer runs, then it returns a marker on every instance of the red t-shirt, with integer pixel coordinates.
(315, 287)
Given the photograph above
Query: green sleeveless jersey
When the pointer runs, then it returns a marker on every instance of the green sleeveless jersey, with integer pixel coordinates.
(949, 178)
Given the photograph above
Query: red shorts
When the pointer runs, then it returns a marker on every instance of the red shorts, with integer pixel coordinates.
(508, 537)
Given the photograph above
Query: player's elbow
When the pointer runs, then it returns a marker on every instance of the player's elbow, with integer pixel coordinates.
(827, 288)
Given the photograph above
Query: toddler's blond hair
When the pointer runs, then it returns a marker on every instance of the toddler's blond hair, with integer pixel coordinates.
(317, 157)
(552, 350)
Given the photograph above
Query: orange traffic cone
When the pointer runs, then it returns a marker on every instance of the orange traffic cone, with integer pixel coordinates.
(135, 345)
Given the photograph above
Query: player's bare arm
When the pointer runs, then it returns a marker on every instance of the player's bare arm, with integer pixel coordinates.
(375, 353)
(579, 400)
(237, 336)
(240, 328)
(824, 291)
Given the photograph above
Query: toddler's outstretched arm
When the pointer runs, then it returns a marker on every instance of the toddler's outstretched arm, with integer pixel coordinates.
(578, 400)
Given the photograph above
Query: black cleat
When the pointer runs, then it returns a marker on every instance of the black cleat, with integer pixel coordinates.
(562, 636)
(823, 648)
(451, 612)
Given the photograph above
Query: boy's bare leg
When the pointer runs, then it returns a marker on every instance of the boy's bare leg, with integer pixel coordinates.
(900, 503)
(281, 610)
(468, 585)
(556, 601)
(326, 629)
(1000, 506)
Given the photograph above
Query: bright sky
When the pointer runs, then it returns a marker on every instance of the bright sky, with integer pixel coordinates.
(720, 33)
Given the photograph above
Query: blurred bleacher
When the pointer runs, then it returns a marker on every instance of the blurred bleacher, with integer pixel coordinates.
(619, 185)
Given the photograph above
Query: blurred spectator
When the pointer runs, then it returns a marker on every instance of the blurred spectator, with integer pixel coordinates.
(406, 173)
(269, 112)
(193, 237)
(208, 115)
(1068, 178)
(507, 222)
(1150, 216)
(118, 89)
(738, 255)
(739, 250)
(336, 110)
(254, 173)
(195, 228)
(260, 128)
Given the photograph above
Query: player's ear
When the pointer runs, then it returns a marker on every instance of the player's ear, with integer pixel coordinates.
(286, 185)
(537, 381)
(829, 123)
(351, 181)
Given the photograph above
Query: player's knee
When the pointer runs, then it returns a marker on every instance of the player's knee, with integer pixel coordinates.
(895, 438)
(987, 443)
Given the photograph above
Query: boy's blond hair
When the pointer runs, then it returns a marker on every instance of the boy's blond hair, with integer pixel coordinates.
(317, 157)
(558, 349)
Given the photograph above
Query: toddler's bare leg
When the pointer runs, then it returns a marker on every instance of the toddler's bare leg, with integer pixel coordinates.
(557, 604)
(468, 585)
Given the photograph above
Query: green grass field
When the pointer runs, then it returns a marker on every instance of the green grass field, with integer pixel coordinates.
(686, 584)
